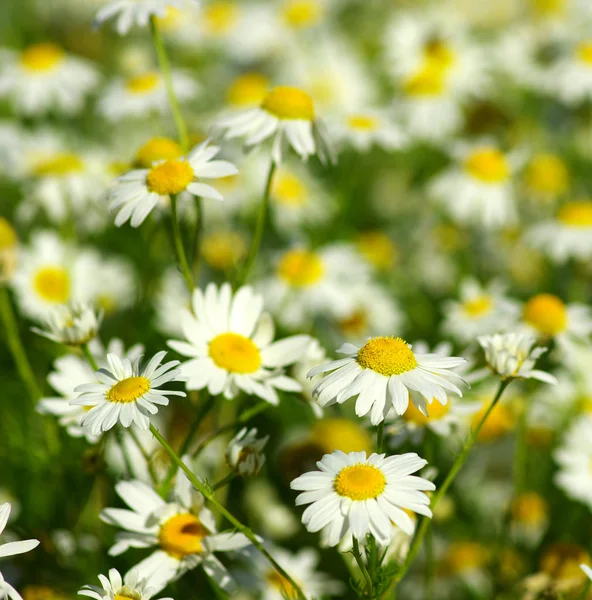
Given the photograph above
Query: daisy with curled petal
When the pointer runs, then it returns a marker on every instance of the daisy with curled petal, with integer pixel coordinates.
(381, 373)
(352, 493)
(231, 348)
(74, 325)
(245, 452)
(127, 394)
(135, 194)
(116, 588)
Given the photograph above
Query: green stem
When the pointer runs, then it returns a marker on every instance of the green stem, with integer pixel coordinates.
(208, 493)
(181, 257)
(91, 359)
(358, 556)
(224, 481)
(195, 258)
(380, 438)
(165, 67)
(260, 227)
(144, 454)
(16, 347)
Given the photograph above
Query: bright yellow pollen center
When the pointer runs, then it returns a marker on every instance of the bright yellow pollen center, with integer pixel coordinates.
(279, 582)
(529, 508)
(219, 17)
(340, 434)
(128, 390)
(169, 177)
(387, 356)
(355, 324)
(439, 54)
(286, 102)
(42, 57)
(300, 268)
(499, 422)
(436, 412)
(488, 165)
(546, 313)
(249, 89)
(584, 53)
(549, 8)
(143, 84)
(8, 237)
(158, 148)
(59, 165)
(235, 353)
(547, 174)
(222, 249)
(362, 122)
(576, 214)
(300, 14)
(477, 307)
(52, 284)
(360, 482)
(429, 80)
(289, 190)
(378, 248)
(172, 20)
(466, 556)
(182, 535)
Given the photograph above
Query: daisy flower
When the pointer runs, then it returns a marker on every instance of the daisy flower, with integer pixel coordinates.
(285, 114)
(43, 78)
(73, 325)
(570, 77)
(352, 493)
(546, 177)
(568, 235)
(381, 373)
(125, 393)
(315, 355)
(170, 300)
(182, 533)
(231, 348)
(245, 452)
(135, 194)
(131, 586)
(530, 518)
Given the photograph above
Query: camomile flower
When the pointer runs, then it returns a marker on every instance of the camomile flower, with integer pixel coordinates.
(315, 355)
(378, 248)
(126, 394)
(128, 13)
(570, 77)
(245, 452)
(287, 115)
(135, 194)
(170, 299)
(352, 493)
(44, 78)
(479, 310)
(230, 345)
(478, 188)
(530, 518)
(131, 586)
(568, 235)
(73, 325)
(546, 177)
(380, 375)
(143, 95)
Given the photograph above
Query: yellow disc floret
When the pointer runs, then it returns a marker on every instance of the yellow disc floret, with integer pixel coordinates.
(143, 84)
(280, 583)
(220, 16)
(182, 535)
(300, 268)
(289, 190)
(547, 313)
(429, 80)
(52, 284)
(249, 89)
(529, 508)
(128, 390)
(478, 306)
(499, 422)
(59, 165)
(289, 103)
(156, 149)
(235, 353)
(42, 57)
(562, 561)
(488, 165)
(359, 122)
(584, 52)
(466, 556)
(439, 54)
(547, 175)
(355, 324)
(360, 482)
(436, 411)
(387, 356)
(378, 248)
(340, 434)
(576, 214)
(8, 237)
(169, 177)
(223, 249)
(300, 14)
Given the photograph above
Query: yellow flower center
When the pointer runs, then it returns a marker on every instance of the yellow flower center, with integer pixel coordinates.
(360, 122)
(549, 8)
(300, 268)
(219, 17)
(378, 248)
(488, 165)
(529, 508)
(584, 53)
(155, 149)
(143, 84)
(562, 561)
(289, 190)
(249, 89)
(126, 593)
(107, 303)
(439, 54)
(300, 14)
(181, 535)
(340, 434)
(42, 57)
(546, 313)
(59, 165)
(280, 583)
(8, 237)
(576, 214)
(356, 324)
(128, 390)
(466, 556)
(172, 20)
(436, 412)
(52, 284)
(169, 177)
(477, 307)
(387, 356)
(547, 174)
(429, 80)
(360, 482)
(499, 422)
(222, 249)
(288, 103)
(235, 353)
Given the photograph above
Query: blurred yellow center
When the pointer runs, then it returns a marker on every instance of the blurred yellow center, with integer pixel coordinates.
(362, 122)
(172, 20)
(488, 165)
(356, 324)
(143, 84)
(547, 313)
(466, 556)
(576, 214)
(562, 561)
(439, 54)
(340, 434)
(59, 165)
(435, 410)
(169, 177)
(8, 237)
(387, 356)
(549, 8)
(360, 482)
(155, 149)
(302, 13)
(222, 249)
(428, 81)
(42, 57)
(128, 390)
(477, 307)
(378, 248)
(280, 583)
(584, 53)
(127, 593)
(52, 284)
(499, 422)
(300, 268)
(247, 90)
(289, 190)
(219, 17)
(235, 353)
(182, 535)
(289, 103)
(547, 174)
(529, 508)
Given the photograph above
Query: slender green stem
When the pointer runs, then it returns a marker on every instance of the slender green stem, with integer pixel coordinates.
(91, 359)
(260, 227)
(16, 347)
(208, 493)
(144, 454)
(224, 481)
(195, 256)
(165, 67)
(126, 457)
(181, 257)
(380, 438)
(521, 452)
(358, 556)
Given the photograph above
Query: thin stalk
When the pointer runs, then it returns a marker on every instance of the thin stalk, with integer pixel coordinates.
(358, 556)
(91, 359)
(208, 493)
(180, 250)
(195, 257)
(380, 438)
(16, 347)
(145, 455)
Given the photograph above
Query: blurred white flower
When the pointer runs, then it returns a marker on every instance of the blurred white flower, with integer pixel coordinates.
(74, 324)
(245, 452)
(115, 587)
